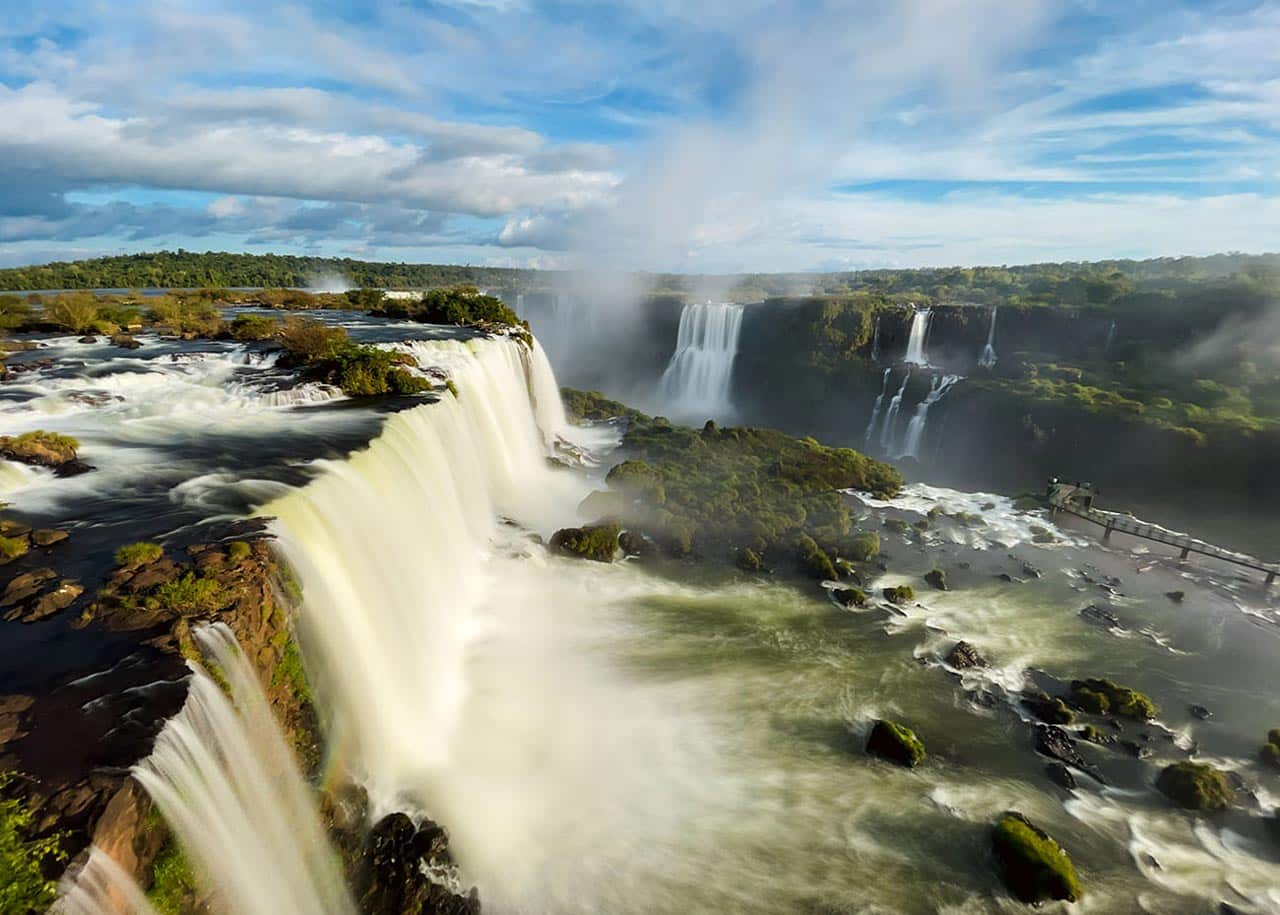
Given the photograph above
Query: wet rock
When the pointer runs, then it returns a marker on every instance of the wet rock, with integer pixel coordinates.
(394, 875)
(1047, 708)
(1134, 749)
(963, 656)
(48, 537)
(125, 341)
(597, 542)
(1005, 576)
(1196, 786)
(1034, 867)
(1199, 711)
(10, 528)
(849, 597)
(1031, 571)
(635, 543)
(1099, 615)
(896, 743)
(1176, 596)
(25, 586)
(1054, 742)
(937, 578)
(12, 709)
(72, 468)
(88, 338)
(1059, 774)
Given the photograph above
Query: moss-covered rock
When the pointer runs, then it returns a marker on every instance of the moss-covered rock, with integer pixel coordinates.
(748, 560)
(132, 555)
(1196, 786)
(963, 656)
(1103, 697)
(598, 542)
(849, 597)
(814, 561)
(1048, 709)
(896, 743)
(899, 595)
(1270, 753)
(937, 578)
(44, 449)
(1033, 866)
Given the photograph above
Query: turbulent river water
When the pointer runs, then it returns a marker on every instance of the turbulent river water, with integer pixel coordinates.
(667, 737)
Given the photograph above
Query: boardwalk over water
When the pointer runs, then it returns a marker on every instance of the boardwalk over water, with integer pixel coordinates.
(1077, 499)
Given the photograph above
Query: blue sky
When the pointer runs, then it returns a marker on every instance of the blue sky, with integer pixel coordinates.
(721, 136)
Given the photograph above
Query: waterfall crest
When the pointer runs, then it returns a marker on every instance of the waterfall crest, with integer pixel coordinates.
(389, 547)
(875, 410)
(916, 340)
(915, 429)
(227, 785)
(698, 380)
(101, 887)
(988, 357)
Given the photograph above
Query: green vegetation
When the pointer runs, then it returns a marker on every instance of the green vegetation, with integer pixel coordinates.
(936, 578)
(254, 327)
(290, 671)
(13, 547)
(173, 883)
(1103, 697)
(592, 405)
(1034, 867)
(75, 311)
(14, 312)
(850, 597)
(24, 889)
(185, 315)
(238, 551)
(896, 743)
(463, 305)
(188, 594)
(1196, 786)
(863, 547)
(49, 449)
(718, 491)
(899, 595)
(329, 355)
(1048, 708)
(1092, 733)
(138, 554)
(598, 542)
(1270, 753)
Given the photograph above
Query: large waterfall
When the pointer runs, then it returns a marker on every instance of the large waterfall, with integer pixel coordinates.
(988, 357)
(915, 342)
(875, 410)
(227, 784)
(915, 429)
(891, 415)
(698, 380)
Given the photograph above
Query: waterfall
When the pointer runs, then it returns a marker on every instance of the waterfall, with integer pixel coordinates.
(988, 357)
(875, 410)
(227, 785)
(915, 342)
(886, 432)
(875, 341)
(101, 887)
(699, 376)
(1111, 338)
(390, 547)
(915, 429)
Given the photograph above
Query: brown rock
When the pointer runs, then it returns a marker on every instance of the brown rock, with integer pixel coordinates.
(10, 528)
(48, 537)
(51, 602)
(26, 585)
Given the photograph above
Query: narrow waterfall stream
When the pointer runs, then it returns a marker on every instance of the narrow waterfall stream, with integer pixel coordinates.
(891, 414)
(698, 380)
(875, 409)
(988, 357)
(916, 427)
(227, 784)
(917, 338)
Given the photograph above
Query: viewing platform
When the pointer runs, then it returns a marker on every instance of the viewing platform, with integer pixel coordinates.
(1077, 499)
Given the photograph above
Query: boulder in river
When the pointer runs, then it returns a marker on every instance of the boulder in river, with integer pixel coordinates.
(964, 656)
(394, 871)
(899, 595)
(896, 743)
(849, 597)
(1100, 616)
(1047, 708)
(1059, 774)
(1196, 786)
(1270, 753)
(937, 578)
(1034, 867)
(598, 542)
(1199, 711)
(1104, 697)
(1054, 742)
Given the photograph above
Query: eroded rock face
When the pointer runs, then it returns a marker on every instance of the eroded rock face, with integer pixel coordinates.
(406, 870)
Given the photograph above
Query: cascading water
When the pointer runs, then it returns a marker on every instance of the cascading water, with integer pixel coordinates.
(1111, 338)
(875, 341)
(101, 887)
(890, 415)
(916, 340)
(915, 429)
(988, 357)
(698, 380)
(227, 785)
(875, 410)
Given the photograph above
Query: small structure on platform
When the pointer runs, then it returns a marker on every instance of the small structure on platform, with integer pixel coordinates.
(1077, 499)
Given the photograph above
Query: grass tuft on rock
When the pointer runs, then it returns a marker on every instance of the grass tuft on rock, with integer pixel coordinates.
(1103, 697)
(49, 449)
(1034, 867)
(899, 595)
(896, 743)
(190, 593)
(1196, 786)
(138, 554)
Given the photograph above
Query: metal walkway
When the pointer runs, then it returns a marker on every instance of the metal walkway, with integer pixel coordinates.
(1077, 499)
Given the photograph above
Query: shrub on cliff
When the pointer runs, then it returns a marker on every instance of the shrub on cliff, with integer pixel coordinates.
(1102, 697)
(813, 559)
(463, 305)
(1196, 786)
(24, 859)
(896, 743)
(1034, 867)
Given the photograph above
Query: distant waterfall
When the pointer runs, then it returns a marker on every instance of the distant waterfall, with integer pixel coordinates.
(988, 357)
(1111, 337)
(391, 545)
(698, 380)
(915, 429)
(891, 415)
(227, 784)
(875, 410)
(875, 341)
(915, 342)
